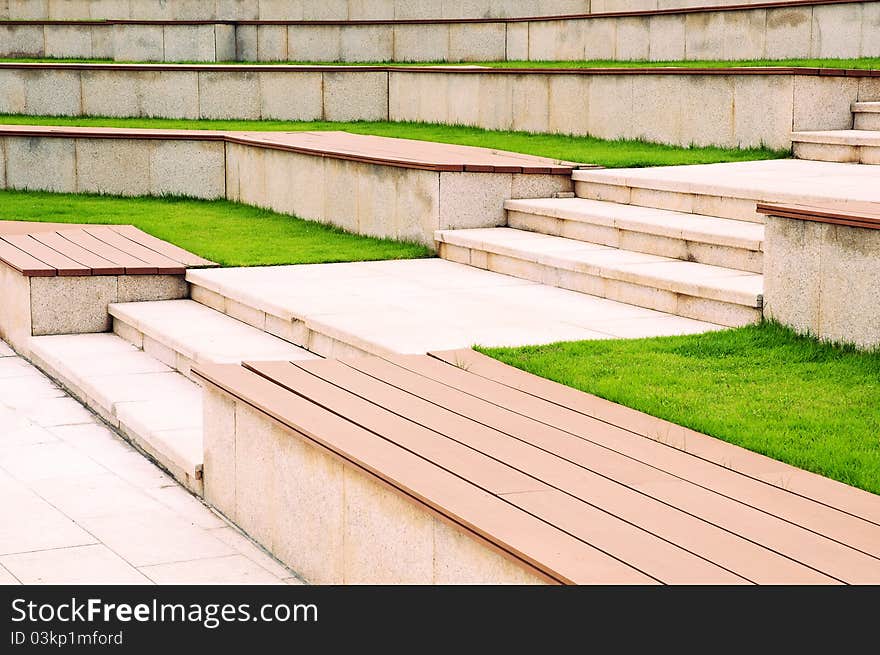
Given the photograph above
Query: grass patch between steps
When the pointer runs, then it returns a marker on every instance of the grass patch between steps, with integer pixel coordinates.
(228, 233)
(860, 63)
(811, 404)
(581, 149)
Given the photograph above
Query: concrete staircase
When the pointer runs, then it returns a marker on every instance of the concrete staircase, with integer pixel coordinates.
(138, 379)
(860, 145)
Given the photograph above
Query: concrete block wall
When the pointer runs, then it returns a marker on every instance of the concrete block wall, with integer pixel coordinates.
(803, 31)
(328, 519)
(822, 279)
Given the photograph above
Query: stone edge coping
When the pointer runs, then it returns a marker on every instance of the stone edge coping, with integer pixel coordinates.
(781, 4)
(447, 69)
(93, 250)
(864, 215)
(542, 166)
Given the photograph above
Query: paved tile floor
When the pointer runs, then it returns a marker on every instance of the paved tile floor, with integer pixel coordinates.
(79, 505)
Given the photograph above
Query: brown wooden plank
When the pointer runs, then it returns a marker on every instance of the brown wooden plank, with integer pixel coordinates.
(780, 536)
(638, 548)
(131, 264)
(791, 480)
(164, 248)
(568, 464)
(98, 265)
(63, 265)
(819, 518)
(519, 534)
(24, 263)
(164, 265)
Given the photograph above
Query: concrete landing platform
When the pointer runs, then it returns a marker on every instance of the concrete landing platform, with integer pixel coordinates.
(414, 306)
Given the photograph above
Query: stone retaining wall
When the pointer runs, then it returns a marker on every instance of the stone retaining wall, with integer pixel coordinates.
(802, 31)
(699, 107)
(365, 198)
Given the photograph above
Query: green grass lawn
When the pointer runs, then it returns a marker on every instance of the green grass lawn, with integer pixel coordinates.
(863, 63)
(811, 404)
(581, 149)
(228, 233)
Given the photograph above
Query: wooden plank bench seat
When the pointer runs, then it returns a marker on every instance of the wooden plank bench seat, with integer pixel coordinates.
(80, 250)
(571, 487)
(61, 278)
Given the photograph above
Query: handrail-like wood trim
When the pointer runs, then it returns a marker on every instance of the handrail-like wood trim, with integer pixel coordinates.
(444, 69)
(864, 215)
(447, 21)
(538, 168)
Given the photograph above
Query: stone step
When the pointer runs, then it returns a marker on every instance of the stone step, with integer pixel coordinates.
(844, 146)
(731, 190)
(156, 408)
(866, 115)
(180, 333)
(708, 293)
(690, 237)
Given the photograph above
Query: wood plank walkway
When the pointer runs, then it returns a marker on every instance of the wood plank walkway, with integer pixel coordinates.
(580, 489)
(47, 250)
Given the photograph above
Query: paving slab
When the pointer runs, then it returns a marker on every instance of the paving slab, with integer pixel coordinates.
(413, 306)
(55, 480)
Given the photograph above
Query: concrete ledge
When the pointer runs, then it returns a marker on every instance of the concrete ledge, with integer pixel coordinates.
(391, 187)
(726, 107)
(829, 28)
(822, 269)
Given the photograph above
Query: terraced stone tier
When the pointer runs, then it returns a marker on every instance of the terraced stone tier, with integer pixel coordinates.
(689, 237)
(394, 188)
(732, 107)
(707, 293)
(848, 146)
(158, 409)
(822, 28)
(181, 333)
(732, 190)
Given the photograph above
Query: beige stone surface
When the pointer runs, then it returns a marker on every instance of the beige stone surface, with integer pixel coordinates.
(52, 298)
(292, 98)
(35, 163)
(356, 96)
(71, 41)
(15, 319)
(141, 288)
(189, 43)
(219, 444)
(187, 168)
(229, 95)
(824, 103)
(138, 43)
(272, 43)
(788, 29)
(257, 506)
(112, 166)
(837, 31)
(387, 539)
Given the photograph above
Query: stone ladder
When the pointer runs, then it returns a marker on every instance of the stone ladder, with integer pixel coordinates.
(860, 145)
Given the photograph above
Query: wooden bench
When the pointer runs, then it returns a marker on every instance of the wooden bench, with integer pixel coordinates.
(59, 279)
(356, 471)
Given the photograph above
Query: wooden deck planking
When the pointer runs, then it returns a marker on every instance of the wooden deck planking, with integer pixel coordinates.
(460, 501)
(593, 525)
(553, 458)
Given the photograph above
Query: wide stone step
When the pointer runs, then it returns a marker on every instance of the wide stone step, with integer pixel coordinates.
(844, 146)
(689, 237)
(731, 190)
(866, 115)
(180, 333)
(708, 293)
(156, 408)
